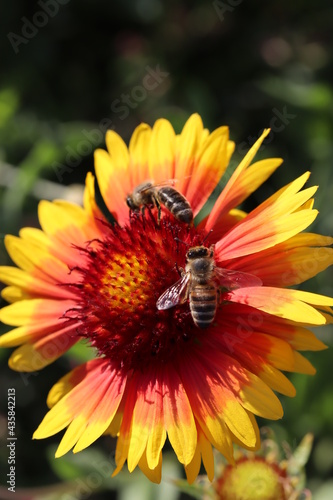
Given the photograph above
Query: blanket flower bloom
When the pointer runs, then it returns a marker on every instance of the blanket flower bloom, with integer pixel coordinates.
(276, 471)
(156, 374)
(270, 474)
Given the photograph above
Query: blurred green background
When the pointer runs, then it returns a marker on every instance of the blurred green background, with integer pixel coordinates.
(71, 69)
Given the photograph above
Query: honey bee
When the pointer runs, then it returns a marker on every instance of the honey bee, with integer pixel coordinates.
(150, 194)
(201, 284)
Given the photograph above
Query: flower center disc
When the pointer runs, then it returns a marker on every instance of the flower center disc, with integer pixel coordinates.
(252, 479)
(124, 275)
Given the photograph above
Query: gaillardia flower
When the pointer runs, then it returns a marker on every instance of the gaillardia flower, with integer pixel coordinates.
(270, 474)
(156, 374)
(275, 472)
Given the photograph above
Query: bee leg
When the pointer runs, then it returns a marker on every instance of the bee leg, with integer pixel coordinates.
(131, 215)
(179, 270)
(158, 206)
(219, 297)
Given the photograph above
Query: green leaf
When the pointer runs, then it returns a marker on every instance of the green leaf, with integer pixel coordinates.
(9, 102)
(81, 352)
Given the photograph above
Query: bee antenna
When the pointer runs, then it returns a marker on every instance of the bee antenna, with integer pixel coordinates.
(181, 241)
(207, 235)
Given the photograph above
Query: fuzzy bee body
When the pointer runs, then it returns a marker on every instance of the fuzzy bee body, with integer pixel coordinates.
(200, 284)
(202, 290)
(148, 194)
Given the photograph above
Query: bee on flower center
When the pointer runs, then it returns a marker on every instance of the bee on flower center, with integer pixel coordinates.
(201, 284)
(150, 194)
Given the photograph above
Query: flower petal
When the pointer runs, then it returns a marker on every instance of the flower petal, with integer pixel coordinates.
(33, 357)
(89, 201)
(67, 225)
(37, 261)
(25, 311)
(146, 398)
(139, 148)
(269, 224)
(186, 146)
(88, 407)
(288, 263)
(178, 417)
(154, 475)
(33, 286)
(285, 303)
(162, 152)
(210, 165)
(238, 187)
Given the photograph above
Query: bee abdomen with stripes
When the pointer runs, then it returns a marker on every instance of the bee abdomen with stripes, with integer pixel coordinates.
(176, 203)
(203, 304)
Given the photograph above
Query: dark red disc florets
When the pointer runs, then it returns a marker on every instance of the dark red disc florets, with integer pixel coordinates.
(123, 276)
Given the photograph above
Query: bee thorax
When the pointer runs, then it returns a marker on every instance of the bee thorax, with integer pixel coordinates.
(202, 267)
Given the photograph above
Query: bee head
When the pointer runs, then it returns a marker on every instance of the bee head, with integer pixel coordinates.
(197, 252)
(130, 202)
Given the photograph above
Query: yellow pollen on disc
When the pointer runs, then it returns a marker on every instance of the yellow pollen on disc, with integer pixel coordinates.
(127, 281)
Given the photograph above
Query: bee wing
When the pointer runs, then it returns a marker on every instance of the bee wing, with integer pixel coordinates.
(152, 184)
(175, 294)
(146, 186)
(169, 182)
(232, 279)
